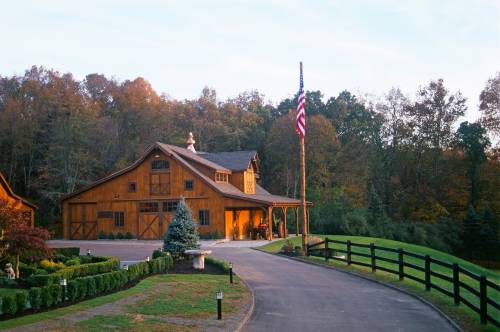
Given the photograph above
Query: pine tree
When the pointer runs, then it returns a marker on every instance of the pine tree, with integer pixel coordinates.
(182, 234)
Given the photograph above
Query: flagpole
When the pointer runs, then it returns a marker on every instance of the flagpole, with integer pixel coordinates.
(305, 227)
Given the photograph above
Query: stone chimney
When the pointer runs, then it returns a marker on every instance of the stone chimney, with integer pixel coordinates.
(191, 142)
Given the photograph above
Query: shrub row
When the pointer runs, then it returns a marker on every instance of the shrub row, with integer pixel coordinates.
(223, 266)
(82, 287)
(75, 271)
(68, 252)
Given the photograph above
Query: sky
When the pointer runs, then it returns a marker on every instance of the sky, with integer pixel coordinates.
(233, 46)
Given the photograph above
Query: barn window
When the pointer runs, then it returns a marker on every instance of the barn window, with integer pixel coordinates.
(188, 185)
(169, 206)
(159, 165)
(221, 177)
(204, 217)
(119, 219)
(148, 207)
(132, 187)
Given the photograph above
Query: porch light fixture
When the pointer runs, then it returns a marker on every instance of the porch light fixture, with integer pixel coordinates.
(157, 155)
(219, 296)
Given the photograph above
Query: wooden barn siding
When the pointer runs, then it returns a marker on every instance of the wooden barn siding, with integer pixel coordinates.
(201, 197)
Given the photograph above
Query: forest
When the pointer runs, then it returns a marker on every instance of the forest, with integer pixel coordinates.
(401, 166)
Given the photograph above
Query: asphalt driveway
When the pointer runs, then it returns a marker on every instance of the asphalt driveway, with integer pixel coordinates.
(294, 296)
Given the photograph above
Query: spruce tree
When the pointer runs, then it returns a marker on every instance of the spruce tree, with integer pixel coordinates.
(182, 234)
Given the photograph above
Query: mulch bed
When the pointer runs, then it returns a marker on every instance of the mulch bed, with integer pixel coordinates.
(186, 267)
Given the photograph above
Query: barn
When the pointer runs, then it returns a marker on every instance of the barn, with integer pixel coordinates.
(8, 197)
(221, 189)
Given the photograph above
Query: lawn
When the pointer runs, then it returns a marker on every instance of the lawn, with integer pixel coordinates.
(148, 306)
(461, 313)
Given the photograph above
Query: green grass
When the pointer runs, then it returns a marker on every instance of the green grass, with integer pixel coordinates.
(179, 295)
(192, 295)
(463, 314)
(127, 323)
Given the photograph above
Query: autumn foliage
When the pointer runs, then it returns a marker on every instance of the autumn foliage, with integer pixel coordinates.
(19, 239)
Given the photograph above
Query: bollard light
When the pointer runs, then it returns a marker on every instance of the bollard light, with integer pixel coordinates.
(147, 259)
(230, 272)
(89, 252)
(63, 282)
(125, 267)
(219, 295)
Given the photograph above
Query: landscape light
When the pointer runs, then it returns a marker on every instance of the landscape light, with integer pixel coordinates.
(147, 259)
(230, 272)
(89, 252)
(125, 267)
(63, 282)
(219, 295)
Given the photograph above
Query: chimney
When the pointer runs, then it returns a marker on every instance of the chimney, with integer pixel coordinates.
(191, 142)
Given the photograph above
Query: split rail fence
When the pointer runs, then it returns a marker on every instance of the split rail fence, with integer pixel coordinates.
(464, 286)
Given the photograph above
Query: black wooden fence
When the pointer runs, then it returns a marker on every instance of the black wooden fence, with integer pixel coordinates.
(488, 309)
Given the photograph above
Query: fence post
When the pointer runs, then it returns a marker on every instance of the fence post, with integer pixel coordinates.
(427, 272)
(483, 300)
(326, 249)
(348, 252)
(456, 284)
(400, 264)
(372, 255)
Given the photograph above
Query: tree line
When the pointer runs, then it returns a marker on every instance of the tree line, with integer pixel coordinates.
(401, 166)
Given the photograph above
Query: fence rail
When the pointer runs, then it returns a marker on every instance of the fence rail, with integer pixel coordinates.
(487, 308)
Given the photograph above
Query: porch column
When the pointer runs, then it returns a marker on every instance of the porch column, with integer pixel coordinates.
(296, 215)
(283, 209)
(270, 221)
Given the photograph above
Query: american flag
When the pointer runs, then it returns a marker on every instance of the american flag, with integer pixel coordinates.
(300, 125)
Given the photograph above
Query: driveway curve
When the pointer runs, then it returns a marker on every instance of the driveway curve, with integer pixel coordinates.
(294, 296)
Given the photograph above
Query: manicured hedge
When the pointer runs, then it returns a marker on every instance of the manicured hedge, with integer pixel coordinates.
(75, 271)
(68, 252)
(83, 287)
(220, 264)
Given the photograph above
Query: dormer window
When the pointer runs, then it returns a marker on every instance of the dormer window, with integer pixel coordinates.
(221, 177)
(159, 164)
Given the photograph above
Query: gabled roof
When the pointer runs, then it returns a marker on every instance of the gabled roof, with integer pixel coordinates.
(183, 156)
(185, 153)
(11, 193)
(235, 161)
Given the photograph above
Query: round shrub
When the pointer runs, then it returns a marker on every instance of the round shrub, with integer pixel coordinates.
(73, 262)
(9, 305)
(111, 236)
(128, 236)
(72, 290)
(91, 287)
(119, 236)
(21, 301)
(56, 293)
(34, 296)
(82, 288)
(41, 272)
(102, 235)
(99, 283)
(46, 297)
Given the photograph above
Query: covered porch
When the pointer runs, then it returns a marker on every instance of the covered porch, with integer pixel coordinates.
(262, 222)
